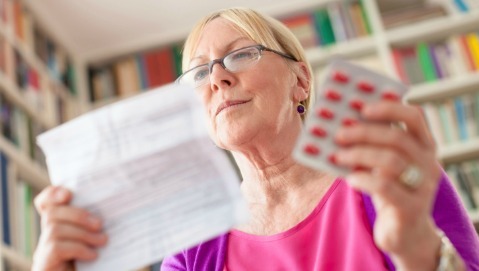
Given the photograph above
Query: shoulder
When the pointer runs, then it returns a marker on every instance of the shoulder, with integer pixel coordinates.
(208, 255)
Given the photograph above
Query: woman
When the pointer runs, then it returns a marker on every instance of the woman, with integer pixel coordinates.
(302, 219)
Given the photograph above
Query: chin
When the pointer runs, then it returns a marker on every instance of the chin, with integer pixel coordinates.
(230, 139)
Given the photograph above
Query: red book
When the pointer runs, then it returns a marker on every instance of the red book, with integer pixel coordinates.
(152, 70)
(397, 57)
(166, 63)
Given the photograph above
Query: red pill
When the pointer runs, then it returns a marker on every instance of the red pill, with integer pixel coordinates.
(356, 105)
(325, 113)
(390, 96)
(333, 95)
(318, 132)
(365, 87)
(311, 149)
(340, 77)
(349, 122)
(332, 159)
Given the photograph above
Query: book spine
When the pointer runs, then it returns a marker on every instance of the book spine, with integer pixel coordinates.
(426, 62)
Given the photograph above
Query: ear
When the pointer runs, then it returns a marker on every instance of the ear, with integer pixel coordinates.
(302, 82)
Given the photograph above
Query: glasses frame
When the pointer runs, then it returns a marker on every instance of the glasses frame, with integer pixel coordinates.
(220, 61)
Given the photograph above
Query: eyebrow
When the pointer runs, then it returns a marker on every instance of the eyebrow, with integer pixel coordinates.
(227, 48)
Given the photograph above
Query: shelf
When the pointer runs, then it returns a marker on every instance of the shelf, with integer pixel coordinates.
(32, 59)
(31, 171)
(353, 48)
(14, 258)
(12, 92)
(459, 151)
(434, 28)
(443, 88)
(474, 215)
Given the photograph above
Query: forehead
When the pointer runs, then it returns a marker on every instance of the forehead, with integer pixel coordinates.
(219, 36)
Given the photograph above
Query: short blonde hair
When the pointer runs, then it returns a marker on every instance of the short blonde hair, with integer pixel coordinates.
(260, 28)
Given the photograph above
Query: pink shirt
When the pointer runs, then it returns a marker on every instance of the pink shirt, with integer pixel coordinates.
(335, 236)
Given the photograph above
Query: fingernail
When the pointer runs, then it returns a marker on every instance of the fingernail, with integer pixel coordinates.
(60, 194)
(93, 221)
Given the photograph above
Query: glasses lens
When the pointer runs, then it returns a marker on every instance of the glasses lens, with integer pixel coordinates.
(196, 77)
(242, 59)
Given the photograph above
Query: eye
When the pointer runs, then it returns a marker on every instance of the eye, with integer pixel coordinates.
(200, 74)
(243, 55)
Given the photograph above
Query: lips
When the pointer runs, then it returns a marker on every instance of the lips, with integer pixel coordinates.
(227, 104)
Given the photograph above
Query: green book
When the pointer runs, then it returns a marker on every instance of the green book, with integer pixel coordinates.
(71, 79)
(28, 213)
(425, 62)
(323, 26)
(365, 17)
(177, 58)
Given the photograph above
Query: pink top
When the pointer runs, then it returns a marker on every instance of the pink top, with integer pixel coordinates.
(335, 236)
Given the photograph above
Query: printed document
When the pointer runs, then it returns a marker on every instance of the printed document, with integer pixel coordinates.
(147, 167)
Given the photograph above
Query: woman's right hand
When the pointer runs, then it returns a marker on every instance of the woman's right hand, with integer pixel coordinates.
(68, 233)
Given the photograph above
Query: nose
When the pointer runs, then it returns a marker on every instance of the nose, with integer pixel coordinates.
(220, 77)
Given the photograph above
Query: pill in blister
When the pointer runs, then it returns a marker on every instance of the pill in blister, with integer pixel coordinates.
(365, 87)
(311, 149)
(318, 132)
(333, 95)
(325, 113)
(340, 77)
(356, 105)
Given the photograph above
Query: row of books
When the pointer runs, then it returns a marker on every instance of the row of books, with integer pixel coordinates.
(20, 130)
(20, 223)
(39, 92)
(408, 12)
(135, 73)
(336, 22)
(465, 177)
(17, 17)
(426, 62)
(455, 119)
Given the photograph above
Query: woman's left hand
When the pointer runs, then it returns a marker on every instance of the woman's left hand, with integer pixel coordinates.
(404, 226)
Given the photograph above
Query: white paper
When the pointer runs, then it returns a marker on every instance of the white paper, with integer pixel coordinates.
(148, 169)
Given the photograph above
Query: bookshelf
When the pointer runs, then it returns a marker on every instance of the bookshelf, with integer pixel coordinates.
(37, 93)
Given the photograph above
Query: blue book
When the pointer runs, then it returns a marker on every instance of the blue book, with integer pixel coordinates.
(4, 200)
(461, 5)
(461, 118)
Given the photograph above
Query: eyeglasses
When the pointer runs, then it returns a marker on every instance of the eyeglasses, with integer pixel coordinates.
(234, 61)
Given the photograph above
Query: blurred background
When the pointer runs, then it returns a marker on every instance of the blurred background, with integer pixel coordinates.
(59, 59)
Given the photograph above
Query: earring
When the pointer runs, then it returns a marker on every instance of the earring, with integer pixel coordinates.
(301, 109)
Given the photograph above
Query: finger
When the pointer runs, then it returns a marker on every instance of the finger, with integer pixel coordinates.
(52, 195)
(383, 161)
(379, 188)
(68, 232)
(380, 135)
(71, 215)
(71, 250)
(397, 112)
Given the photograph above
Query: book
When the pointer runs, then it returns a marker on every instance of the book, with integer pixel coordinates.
(324, 26)
(410, 15)
(472, 40)
(434, 121)
(426, 62)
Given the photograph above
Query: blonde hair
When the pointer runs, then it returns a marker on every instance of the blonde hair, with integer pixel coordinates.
(260, 28)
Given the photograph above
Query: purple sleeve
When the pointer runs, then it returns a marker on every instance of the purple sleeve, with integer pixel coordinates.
(451, 216)
(174, 263)
(207, 256)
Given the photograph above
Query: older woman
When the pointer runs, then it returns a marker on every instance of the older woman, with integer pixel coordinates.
(253, 79)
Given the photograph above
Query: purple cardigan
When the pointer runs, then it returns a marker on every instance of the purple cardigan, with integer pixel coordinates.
(449, 215)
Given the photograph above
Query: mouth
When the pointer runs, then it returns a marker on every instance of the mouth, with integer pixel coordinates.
(227, 104)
